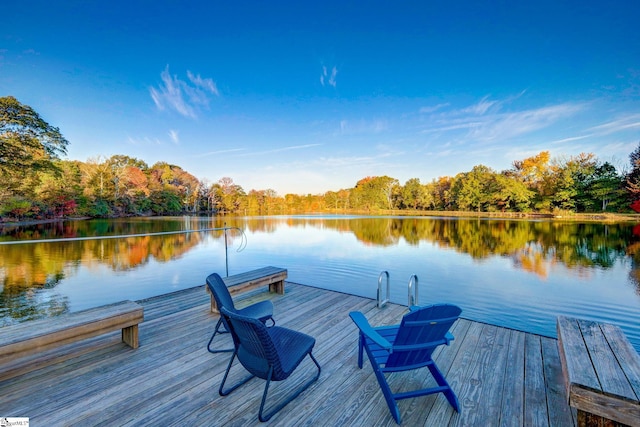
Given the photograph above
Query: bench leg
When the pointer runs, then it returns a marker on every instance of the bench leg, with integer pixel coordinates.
(277, 287)
(586, 419)
(130, 336)
(214, 306)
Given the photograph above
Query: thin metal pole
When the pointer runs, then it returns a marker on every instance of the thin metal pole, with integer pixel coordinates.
(226, 256)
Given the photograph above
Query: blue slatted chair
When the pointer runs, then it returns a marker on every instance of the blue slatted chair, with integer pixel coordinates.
(408, 346)
(271, 354)
(262, 310)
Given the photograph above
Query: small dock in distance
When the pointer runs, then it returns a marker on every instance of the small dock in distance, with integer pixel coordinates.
(501, 376)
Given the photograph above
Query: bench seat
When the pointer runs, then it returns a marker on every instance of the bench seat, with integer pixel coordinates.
(274, 277)
(601, 372)
(37, 336)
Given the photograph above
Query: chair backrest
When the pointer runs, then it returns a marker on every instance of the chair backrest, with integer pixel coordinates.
(256, 350)
(220, 292)
(420, 333)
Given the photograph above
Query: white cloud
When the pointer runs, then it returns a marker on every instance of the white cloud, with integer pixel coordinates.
(508, 125)
(182, 96)
(214, 153)
(486, 121)
(173, 134)
(622, 123)
(327, 78)
(143, 141)
(206, 84)
(351, 127)
(434, 108)
(481, 107)
(277, 150)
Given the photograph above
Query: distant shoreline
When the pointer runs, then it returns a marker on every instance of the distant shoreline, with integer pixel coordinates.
(590, 217)
(38, 222)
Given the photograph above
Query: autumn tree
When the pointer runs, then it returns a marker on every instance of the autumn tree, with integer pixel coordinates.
(633, 179)
(533, 172)
(230, 197)
(374, 193)
(440, 192)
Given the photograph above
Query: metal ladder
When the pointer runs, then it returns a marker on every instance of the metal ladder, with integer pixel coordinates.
(412, 290)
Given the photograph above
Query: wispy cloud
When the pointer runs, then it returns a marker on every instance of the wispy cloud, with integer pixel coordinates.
(570, 139)
(278, 150)
(486, 121)
(144, 141)
(620, 124)
(508, 125)
(350, 127)
(184, 97)
(433, 108)
(481, 107)
(173, 134)
(215, 153)
(326, 78)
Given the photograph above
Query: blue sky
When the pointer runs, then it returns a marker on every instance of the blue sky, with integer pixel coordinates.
(305, 97)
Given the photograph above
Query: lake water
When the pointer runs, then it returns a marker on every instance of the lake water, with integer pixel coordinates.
(518, 274)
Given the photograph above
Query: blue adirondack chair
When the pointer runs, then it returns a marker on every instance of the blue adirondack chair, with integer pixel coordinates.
(408, 346)
(262, 310)
(272, 354)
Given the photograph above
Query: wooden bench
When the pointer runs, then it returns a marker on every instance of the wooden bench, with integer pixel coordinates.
(32, 337)
(601, 372)
(238, 283)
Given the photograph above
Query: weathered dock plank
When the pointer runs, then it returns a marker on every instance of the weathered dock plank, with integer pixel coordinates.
(535, 398)
(501, 376)
(512, 404)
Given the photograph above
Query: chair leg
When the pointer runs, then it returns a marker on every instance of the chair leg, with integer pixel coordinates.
(388, 394)
(384, 386)
(266, 417)
(218, 331)
(448, 392)
(221, 390)
(360, 346)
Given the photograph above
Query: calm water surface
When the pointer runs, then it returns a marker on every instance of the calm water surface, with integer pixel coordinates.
(519, 274)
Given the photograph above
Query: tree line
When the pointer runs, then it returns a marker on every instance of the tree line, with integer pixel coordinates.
(36, 183)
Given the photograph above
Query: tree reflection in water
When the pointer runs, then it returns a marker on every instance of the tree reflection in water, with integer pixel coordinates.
(533, 246)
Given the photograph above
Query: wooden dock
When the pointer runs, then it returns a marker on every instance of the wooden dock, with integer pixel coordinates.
(502, 377)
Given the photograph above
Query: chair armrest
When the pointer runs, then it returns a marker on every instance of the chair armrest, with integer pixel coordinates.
(448, 338)
(363, 324)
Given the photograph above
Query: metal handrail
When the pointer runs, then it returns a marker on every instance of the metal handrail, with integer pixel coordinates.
(413, 296)
(381, 302)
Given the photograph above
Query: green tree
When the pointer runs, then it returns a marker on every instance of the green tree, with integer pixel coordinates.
(511, 194)
(474, 190)
(26, 140)
(414, 195)
(606, 188)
